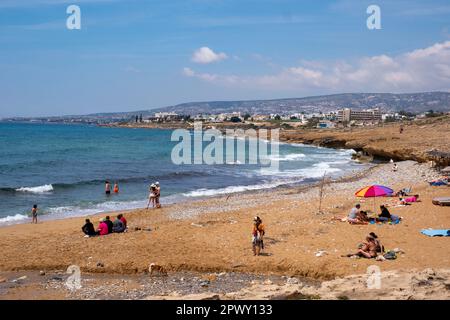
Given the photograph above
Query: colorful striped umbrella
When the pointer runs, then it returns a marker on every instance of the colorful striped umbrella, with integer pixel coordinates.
(374, 191)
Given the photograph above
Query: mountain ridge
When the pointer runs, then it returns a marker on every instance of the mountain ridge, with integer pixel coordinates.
(418, 102)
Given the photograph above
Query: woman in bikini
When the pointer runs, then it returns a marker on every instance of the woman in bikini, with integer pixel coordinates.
(152, 196)
(370, 248)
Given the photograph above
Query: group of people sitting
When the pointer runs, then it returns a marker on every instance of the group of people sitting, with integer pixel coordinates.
(105, 226)
(357, 216)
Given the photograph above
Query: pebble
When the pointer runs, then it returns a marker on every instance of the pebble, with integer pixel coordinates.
(42, 273)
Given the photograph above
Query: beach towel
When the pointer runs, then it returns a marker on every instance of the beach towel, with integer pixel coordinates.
(438, 183)
(436, 233)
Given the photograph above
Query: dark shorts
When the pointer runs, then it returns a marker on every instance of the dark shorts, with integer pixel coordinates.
(108, 192)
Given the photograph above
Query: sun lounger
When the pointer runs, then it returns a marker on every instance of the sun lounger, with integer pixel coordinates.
(442, 201)
(436, 233)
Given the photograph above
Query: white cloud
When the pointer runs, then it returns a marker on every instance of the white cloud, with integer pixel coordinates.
(188, 72)
(426, 69)
(206, 55)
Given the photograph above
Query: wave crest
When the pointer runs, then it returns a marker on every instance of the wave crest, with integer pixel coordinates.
(38, 189)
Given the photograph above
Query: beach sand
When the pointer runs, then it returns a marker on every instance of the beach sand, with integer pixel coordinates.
(214, 235)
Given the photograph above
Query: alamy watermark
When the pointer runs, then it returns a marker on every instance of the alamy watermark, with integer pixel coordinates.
(235, 146)
(73, 282)
(73, 22)
(373, 277)
(374, 20)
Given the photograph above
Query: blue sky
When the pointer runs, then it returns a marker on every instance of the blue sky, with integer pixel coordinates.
(134, 54)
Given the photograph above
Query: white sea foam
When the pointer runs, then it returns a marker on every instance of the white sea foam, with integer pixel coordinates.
(96, 208)
(287, 157)
(232, 189)
(39, 189)
(315, 171)
(12, 219)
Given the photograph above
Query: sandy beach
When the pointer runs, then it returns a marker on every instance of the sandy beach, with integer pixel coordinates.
(212, 237)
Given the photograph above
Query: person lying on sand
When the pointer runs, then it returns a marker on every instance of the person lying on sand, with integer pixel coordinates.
(257, 236)
(409, 200)
(369, 249)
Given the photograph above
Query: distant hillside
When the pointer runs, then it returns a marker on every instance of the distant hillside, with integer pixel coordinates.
(411, 102)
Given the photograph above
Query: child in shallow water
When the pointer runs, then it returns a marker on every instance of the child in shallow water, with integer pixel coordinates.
(34, 214)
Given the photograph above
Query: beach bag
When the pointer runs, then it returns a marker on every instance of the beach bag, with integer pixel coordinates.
(390, 255)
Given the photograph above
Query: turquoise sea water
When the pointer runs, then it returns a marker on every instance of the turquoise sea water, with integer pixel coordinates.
(62, 169)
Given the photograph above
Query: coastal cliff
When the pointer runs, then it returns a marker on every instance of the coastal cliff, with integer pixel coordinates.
(422, 141)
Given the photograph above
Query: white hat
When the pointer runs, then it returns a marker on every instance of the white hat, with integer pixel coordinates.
(152, 185)
(157, 183)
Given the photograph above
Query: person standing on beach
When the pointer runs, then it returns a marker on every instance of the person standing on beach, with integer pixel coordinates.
(257, 236)
(34, 214)
(107, 188)
(116, 187)
(152, 196)
(158, 194)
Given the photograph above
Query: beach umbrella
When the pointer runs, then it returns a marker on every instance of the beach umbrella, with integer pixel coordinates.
(374, 191)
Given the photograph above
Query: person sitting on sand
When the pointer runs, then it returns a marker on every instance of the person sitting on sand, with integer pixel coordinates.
(124, 221)
(369, 249)
(118, 226)
(402, 193)
(88, 228)
(257, 236)
(380, 247)
(34, 211)
(356, 216)
(109, 223)
(385, 215)
(152, 196)
(102, 229)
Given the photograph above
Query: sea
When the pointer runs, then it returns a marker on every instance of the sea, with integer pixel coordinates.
(62, 168)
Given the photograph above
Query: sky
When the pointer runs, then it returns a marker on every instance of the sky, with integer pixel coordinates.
(137, 54)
